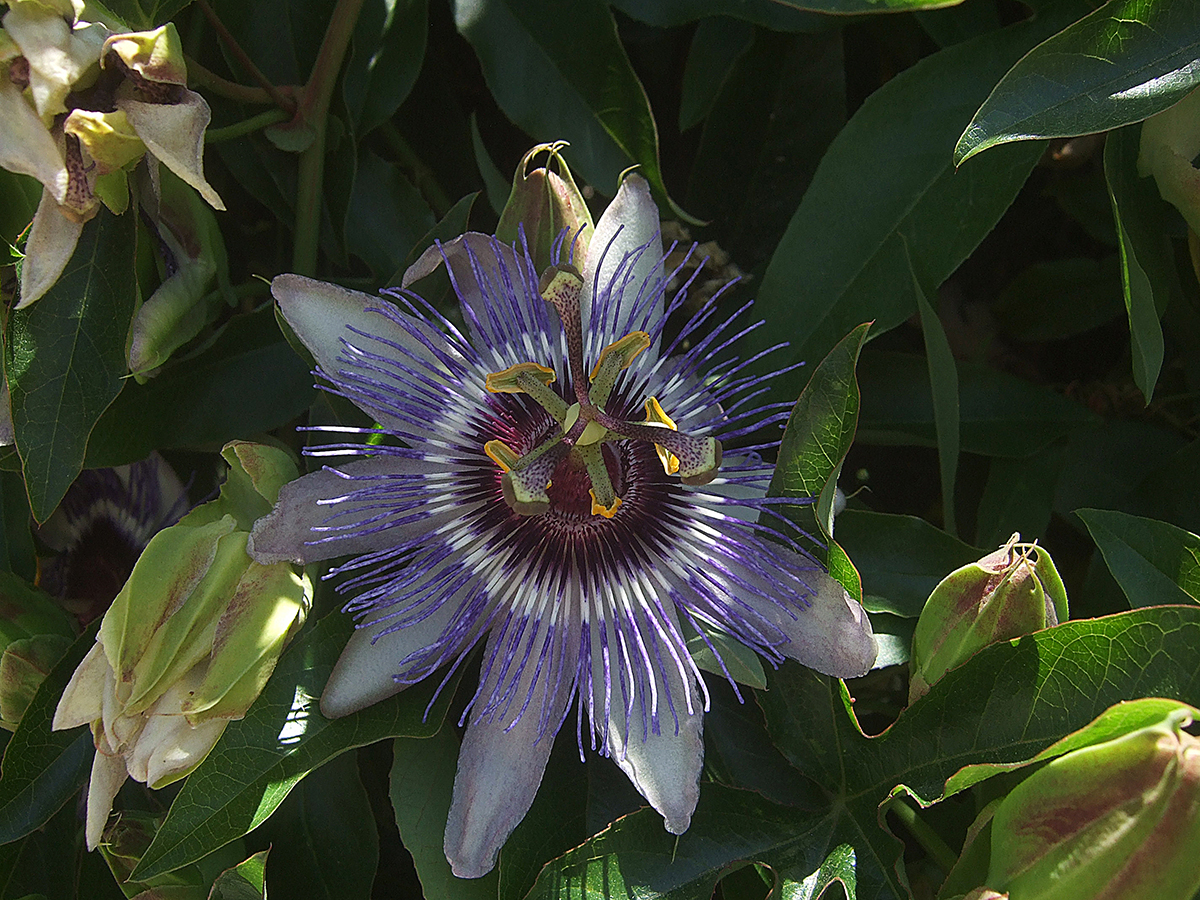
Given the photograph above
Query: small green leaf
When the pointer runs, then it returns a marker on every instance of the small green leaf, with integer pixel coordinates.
(64, 357)
(821, 428)
(1148, 274)
(283, 737)
(1154, 562)
(943, 377)
(245, 881)
(716, 47)
(1123, 63)
(43, 769)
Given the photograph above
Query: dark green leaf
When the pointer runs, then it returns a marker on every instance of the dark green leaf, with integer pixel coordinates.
(838, 867)
(560, 72)
(1154, 562)
(495, 184)
(886, 194)
(1008, 703)
(386, 54)
(1018, 496)
(943, 378)
(716, 46)
(1148, 274)
(1001, 415)
(64, 357)
(901, 558)
(21, 194)
(43, 769)
(768, 13)
(53, 863)
(323, 838)
(422, 781)
(245, 881)
(1121, 64)
(386, 217)
(283, 37)
(142, 15)
(16, 538)
(247, 382)
(283, 737)
(1060, 299)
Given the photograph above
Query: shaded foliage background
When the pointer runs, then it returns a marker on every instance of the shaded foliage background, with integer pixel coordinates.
(965, 178)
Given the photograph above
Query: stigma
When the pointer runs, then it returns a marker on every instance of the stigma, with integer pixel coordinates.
(584, 426)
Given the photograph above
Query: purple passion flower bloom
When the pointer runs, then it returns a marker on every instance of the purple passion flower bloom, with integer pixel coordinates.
(551, 482)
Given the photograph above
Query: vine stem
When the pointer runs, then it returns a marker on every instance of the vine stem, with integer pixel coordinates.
(247, 126)
(930, 841)
(200, 76)
(281, 99)
(314, 110)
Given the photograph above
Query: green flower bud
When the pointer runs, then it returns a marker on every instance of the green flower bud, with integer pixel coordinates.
(151, 56)
(1119, 820)
(1006, 594)
(545, 201)
(190, 640)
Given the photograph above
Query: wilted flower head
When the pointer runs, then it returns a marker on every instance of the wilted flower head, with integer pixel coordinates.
(190, 640)
(557, 490)
(79, 106)
(101, 527)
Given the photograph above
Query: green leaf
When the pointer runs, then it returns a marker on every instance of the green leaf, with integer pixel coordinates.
(561, 72)
(247, 382)
(837, 867)
(323, 837)
(142, 15)
(1154, 562)
(901, 558)
(1000, 414)
(245, 881)
(781, 15)
(43, 769)
(887, 195)
(943, 377)
(283, 737)
(1122, 63)
(1060, 299)
(386, 216)
(1019, 496)
(495, 184)
(421, 783)
(716, 47)
(386, 55)
(1010, 702)
(64, 357)
(1148, 273)
(821, 429)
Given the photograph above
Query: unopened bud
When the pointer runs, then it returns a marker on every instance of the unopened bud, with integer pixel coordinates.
(1006, 594)
(546, 202)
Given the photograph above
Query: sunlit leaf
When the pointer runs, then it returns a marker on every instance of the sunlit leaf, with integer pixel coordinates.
(1154, 562)
(1121, 64)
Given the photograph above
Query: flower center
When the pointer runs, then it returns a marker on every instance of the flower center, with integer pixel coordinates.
(574, 452)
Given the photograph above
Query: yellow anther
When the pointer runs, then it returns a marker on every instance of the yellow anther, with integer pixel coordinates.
(624, 352)
(509, 381)
(599, 509)
(656, 415)
(502, 455)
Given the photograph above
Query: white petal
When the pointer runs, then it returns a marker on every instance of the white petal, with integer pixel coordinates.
(507, 319)
(58, 55)
(323, 315)
(501, 762)
(625, 254)
(82, 701)
(51, 244)
(366, 671)
(174, 134)
(663, 766)
(108, 774)
(286, 533)
(26, 145)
